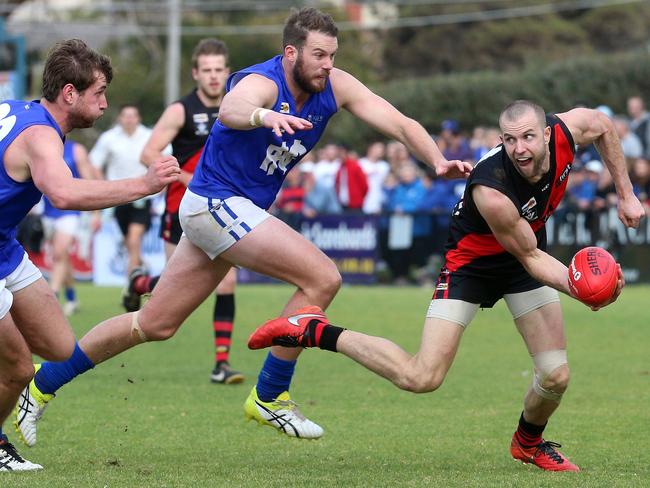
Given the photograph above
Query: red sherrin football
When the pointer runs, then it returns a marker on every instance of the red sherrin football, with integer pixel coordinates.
(593, 275)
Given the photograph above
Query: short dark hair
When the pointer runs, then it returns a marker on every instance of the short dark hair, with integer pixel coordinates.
(209, 46)
(72, 61)
(301, 22)
(515, 110)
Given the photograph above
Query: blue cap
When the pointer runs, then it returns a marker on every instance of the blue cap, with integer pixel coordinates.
(450, 125)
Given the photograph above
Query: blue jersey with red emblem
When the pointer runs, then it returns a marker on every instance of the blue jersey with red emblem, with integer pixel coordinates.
(253, 163)
(16, 198)
(50, 210)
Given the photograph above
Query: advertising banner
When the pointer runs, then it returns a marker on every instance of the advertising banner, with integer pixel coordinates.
(109, 253)
(349, 240)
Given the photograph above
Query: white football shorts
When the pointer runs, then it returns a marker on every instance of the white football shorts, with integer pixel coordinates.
(215, 224)
(21, 277)
(66, 224)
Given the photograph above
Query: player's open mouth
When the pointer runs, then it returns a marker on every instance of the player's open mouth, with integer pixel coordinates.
(524, 161)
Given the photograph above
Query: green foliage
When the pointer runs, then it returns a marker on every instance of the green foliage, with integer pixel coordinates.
(150, 418)
(509, 43)
(617, 28)
(497, 45)
(477, 98)
(138, 78)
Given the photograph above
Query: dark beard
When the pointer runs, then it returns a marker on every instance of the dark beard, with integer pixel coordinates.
(300, 80)
(79, 121)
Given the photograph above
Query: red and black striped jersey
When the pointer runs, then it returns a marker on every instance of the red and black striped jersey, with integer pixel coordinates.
(188, 143)
(471, 244)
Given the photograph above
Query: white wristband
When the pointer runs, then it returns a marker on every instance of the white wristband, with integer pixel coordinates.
(257, 117)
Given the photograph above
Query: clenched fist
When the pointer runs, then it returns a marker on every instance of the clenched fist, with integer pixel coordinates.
(161, 173)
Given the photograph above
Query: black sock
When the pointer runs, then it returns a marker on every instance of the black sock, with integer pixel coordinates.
(321, 334)
(528, 434)
(224, 308)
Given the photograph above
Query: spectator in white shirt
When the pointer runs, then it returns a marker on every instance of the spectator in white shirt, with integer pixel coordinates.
(376, 170)
(117, 155)
(326, 168)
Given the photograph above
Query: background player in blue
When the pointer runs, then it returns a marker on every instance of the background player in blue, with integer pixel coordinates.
(272, 115)
(75, 79)
(185, 125)
(495, 250)
(61, 226)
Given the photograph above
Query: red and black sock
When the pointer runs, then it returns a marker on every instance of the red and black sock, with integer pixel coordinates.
(529, 435)
(145, 284)
(223, 318)
(321, 334)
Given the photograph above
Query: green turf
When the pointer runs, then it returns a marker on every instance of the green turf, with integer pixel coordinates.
(150, 417)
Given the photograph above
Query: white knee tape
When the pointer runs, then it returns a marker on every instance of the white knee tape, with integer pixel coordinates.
(136, 331)
(545, 363)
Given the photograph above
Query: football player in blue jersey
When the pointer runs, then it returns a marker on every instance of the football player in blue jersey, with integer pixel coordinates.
(273, 114)
(186, 124)
(75, 79)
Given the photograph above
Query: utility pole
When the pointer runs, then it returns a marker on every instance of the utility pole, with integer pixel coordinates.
(172, 78)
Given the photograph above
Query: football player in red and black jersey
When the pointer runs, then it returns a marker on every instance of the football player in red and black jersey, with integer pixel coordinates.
(186, 125)
(496, 249)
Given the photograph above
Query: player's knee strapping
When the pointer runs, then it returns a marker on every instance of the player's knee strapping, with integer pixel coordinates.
(136, 331)
(546, 363)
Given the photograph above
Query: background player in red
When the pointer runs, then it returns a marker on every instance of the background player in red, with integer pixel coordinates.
(186, 125)
(495, 250)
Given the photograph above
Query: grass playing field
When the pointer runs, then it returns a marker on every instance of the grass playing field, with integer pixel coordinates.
(150, 417)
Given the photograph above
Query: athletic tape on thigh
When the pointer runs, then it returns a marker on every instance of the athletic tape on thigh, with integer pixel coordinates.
(457, 311)
(136, 331)
(545, 363)
(520, 304)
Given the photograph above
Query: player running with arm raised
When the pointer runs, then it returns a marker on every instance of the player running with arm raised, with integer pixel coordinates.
(496, 249)
(185, 125)
(273, 114)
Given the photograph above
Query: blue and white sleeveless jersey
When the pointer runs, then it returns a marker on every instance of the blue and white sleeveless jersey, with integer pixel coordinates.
(16, 198)
(253, 163)
(50, 210)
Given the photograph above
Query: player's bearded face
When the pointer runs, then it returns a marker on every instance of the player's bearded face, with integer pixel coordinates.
(311, 80)
(89, 105)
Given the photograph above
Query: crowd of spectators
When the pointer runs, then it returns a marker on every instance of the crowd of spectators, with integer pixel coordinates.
(407, 197)
(413, 206)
